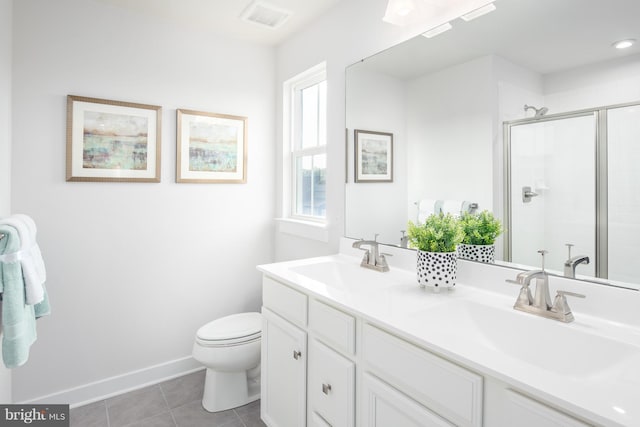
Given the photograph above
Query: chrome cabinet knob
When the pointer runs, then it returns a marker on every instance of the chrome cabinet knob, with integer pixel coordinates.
(297, 354)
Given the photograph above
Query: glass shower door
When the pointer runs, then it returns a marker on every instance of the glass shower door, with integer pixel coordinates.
(623, 134)
(553, 191)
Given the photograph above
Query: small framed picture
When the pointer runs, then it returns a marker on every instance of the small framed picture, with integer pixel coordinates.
(212, 148)
(373, 156)
(112, 141)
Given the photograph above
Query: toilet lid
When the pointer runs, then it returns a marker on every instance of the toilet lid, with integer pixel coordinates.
(230, 328)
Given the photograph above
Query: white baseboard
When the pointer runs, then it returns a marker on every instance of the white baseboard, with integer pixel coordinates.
(119, 384)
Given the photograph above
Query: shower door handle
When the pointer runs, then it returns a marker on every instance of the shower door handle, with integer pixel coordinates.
(527, 194)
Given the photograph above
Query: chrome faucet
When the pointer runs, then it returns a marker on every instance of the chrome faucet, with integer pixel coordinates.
(372, 258)
(572, 262)
(540, 304)
(404, 239)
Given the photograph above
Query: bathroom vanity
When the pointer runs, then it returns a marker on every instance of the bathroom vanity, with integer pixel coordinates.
(347, 346)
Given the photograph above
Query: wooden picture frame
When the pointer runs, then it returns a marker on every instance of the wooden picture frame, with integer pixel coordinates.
(211, 148)
(112, 141)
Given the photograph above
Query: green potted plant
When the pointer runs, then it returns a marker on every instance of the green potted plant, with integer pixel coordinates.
(480, 233)
(436, 241)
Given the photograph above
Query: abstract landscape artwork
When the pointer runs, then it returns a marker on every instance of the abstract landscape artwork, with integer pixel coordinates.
(112, 140)
(373, 156)
(211, 147)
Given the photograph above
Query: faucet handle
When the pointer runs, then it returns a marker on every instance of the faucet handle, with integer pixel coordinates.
(571, 294)
(560, 303)
(524, 297)
(543, 252)
(569, 246)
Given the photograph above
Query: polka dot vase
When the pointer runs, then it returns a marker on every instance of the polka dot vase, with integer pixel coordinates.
(480, 253)
(437, 270)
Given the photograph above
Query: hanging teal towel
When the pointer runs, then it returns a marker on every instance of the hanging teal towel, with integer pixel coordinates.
(18, 318)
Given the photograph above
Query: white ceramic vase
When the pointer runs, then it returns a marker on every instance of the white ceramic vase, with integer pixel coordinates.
(437, 270)
(480, 253)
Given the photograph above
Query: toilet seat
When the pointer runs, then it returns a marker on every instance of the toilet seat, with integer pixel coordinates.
(235, 329)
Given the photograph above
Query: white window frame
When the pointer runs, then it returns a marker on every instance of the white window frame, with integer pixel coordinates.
(291, 103)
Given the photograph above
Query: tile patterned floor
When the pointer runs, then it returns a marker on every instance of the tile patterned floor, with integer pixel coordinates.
(173, 403)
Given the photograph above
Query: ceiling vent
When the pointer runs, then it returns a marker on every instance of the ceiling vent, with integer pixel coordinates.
(265, 15)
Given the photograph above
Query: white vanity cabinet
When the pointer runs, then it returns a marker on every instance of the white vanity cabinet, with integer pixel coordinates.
(284, 356)
(506, 407)
(382, 405)
(306, 377)
(328, 365)
(447, 389)
(331, 369)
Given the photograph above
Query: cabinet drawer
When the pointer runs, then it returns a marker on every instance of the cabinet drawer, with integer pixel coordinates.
(447, 389)
(331, 385)
(333, 326)
(287, 302)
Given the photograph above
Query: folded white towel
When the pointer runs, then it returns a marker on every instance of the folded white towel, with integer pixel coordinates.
(36, 255)
(426, 207)
(30, 257)
(453, 207)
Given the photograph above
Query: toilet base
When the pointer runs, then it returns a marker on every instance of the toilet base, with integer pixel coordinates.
(227, 390)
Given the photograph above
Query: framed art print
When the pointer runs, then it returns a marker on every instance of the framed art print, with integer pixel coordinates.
(373, 156)
(211, 148)
(112, 141)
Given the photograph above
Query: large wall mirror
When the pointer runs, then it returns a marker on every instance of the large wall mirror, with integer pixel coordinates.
(456, 107)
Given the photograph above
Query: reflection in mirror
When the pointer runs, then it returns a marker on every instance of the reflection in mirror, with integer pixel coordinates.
(509, 107)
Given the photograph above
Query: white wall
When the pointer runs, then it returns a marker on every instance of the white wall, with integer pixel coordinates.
(349, 32)
(5, 106)
(450, 132)
(5, 148)
(377, 102)
(597, 85)
(134, 268)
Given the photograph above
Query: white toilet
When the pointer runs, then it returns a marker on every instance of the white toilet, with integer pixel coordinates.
(230, 349)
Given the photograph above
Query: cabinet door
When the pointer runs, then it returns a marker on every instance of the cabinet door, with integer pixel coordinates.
(383, 406)
(284, 365)
(525, 412)
(331, 387)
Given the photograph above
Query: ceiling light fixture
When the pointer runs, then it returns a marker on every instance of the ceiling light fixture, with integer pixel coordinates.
(398, 11)
(478, 12)
(437, 30)
(623, 44)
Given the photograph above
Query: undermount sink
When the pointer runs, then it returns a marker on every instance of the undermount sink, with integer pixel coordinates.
(546, 344)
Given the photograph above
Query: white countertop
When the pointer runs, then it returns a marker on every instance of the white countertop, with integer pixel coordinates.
(474, 323)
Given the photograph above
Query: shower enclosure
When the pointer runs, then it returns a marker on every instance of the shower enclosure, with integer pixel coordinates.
(572, 181)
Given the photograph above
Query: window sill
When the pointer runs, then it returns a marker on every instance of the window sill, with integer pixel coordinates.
(307, 229)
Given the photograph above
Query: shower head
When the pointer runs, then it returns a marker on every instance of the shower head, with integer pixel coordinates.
(539, 111)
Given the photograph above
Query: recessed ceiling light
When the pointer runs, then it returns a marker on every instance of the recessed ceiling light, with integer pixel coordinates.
(623, 44)
(478, 12)
(437, 30)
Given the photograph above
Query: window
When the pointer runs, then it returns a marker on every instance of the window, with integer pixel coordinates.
(305, 145)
